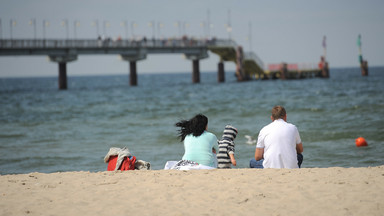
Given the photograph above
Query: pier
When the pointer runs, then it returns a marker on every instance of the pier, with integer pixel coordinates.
(65, 51)
(248, 64)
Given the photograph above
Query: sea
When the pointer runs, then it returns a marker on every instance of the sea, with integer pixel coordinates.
(43, 129)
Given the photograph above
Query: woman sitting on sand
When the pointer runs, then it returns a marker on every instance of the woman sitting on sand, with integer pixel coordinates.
(199, 144)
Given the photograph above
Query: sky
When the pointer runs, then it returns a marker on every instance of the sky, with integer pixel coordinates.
(276, 30)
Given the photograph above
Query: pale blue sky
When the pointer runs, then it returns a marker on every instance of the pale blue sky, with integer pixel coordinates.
(282, 30)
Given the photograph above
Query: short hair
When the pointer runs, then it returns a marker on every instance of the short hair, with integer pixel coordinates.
(278, 112)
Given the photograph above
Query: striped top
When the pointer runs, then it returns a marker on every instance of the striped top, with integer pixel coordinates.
(226, 147)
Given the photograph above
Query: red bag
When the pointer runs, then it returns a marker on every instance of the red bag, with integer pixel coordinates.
(127, 164)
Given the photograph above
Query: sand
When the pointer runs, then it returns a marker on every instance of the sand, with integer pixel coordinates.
(307, 191)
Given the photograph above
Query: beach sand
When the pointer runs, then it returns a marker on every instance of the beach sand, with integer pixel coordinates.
(306, 191)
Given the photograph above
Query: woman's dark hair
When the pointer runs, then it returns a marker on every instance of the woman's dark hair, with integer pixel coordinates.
(195, 126)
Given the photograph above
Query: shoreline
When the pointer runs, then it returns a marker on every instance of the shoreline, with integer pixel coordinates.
(305, 191)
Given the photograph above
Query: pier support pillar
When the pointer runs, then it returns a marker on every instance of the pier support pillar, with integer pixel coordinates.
(133, 58)
(195, 71)
(132, 73)
(62, 61)
(220, 72)
(195, 58)
(62, 75)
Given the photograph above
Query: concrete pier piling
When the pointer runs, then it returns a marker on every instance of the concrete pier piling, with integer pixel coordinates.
(132, 73)
(133, 59)
(62, 60)
(220, 72)
(63, 76)
(195, 58)
(195, 71)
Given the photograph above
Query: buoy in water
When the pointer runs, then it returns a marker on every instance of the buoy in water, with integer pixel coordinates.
(361, 142)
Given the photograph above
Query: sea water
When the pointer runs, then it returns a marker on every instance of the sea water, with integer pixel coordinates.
(43, 129)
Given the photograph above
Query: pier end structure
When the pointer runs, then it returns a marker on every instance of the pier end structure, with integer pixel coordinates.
(62, 61)
(248, 64)
(253, 65)
(287, 71)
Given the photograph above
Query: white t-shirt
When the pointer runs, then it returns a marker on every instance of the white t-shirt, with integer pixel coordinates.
(279, 140)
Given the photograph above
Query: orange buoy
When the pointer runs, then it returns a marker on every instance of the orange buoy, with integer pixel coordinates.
(361, 142)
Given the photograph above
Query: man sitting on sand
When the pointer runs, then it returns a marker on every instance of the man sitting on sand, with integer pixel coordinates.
(279, 144)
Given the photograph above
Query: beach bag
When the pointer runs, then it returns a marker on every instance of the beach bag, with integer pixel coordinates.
(127, 164)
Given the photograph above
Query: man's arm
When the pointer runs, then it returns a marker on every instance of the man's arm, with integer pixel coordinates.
(299, 148)
(259, 153)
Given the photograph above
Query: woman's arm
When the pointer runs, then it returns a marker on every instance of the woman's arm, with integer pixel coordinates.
(215, 147)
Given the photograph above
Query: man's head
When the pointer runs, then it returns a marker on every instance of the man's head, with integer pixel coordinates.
(278, 112)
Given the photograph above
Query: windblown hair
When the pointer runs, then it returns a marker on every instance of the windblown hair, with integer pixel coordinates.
(195, 126)
(278, 112)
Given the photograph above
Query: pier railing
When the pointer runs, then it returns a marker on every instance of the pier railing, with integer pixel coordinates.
(108, 43)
